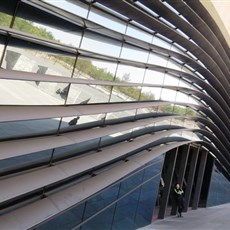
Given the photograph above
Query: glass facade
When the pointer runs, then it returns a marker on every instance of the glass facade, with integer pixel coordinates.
(93, 94)
(128, 204)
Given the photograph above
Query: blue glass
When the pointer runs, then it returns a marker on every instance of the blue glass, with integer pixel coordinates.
(101, 200)
(102, 221)
(131, 182)
(219, 189)
(146, 203)
(125, 211)
(65, 221)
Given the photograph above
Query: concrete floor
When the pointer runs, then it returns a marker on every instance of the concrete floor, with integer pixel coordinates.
(213, 218)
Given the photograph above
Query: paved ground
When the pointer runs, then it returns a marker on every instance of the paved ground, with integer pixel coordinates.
(214, 218)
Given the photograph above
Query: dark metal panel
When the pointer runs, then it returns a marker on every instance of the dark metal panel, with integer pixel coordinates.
(170, 161)
(199, 181)
(191, 174)
(184, 152)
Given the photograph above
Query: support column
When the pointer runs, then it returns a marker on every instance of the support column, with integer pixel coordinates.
(200, 176)
(170, 161)
(191, 174)
(184, 152)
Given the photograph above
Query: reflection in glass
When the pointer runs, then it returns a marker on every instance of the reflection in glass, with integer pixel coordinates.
(35, 61)
(127, 73)
(5, 19)
(71, 6)
(107, 20)
(30, 93)
(133, 53)
(71, 123)
(25, 161)
(87, 94)
(137, 33)
(75, 150)
(100, 44)
(29, 128)
(154, 77)
(156, 59)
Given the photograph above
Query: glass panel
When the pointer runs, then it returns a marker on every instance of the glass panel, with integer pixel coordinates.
(154, 77)
(120, 93)
(101, 200)
(131, 182)
(27, 160)
(168, 95)
(87, 94)
(70, 123)
(19, 129)
(133, 53)
(30, 60)
(137, 33)
(107, 20)
(129, 74)
(125, 211)
(100, 44)
(146, 203)
(181, 97)
(30, 93)
(147, 93)
(72, 7)
(41, 28)
(120, 114)
(170, 80)
(157, 60)
(65, 221)
(102, 221)
(5, 19)
(75, 149)
(174, 65)
(159, 42)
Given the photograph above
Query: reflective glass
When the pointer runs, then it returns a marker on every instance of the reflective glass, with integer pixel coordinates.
(120, 114)
(71, 6)
(159, 42)
(100, 44)
(107, 20)
(5, 19)
(75, 149)
(154, 77)
(27, 160)
(146, 202)
(30, 60)
(42, 30)
(120, 93)
(133, 53)
(170, 80)
(29, 93)
(87, 94)
(138, 33)
(127, 73)
(147, 93)
(155, 59)
(71, 123)
(102, 221)
(130, 183)
(101, 200)
(65, 221)
(18, 129)
(125, 211)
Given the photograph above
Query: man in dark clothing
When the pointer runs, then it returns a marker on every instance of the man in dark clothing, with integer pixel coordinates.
(178, 191)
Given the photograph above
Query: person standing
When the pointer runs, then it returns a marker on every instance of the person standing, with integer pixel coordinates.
(179, 198)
